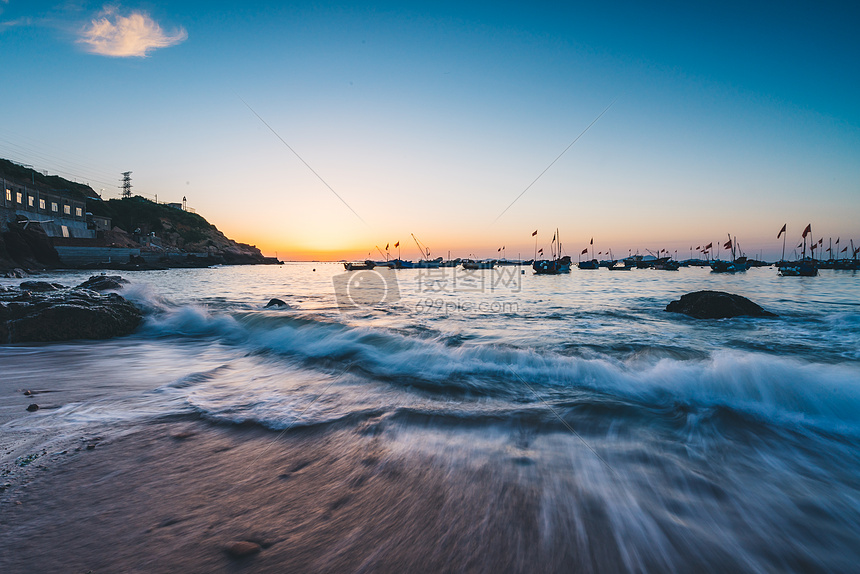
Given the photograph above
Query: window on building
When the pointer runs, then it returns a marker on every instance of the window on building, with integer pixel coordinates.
(20, 197)
(41, 204)
(67, 209)
(8, 195)
(79, 212)
(30, 200)
(54, 206)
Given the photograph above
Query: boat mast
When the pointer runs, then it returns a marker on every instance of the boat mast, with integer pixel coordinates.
(784, 235)
(421, 247)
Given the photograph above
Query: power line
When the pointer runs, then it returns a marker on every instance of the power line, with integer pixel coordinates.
(594, 121)
(307, 165)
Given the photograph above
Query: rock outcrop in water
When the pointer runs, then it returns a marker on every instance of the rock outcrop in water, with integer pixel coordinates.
(65, 314)
(716, 305)
(103, 283)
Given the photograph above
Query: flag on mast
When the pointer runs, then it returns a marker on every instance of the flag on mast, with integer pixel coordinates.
(807, 231)
(397, 244)
(781, 231)
(534, 233)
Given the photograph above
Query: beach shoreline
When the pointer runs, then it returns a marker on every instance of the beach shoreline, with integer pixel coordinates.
(173, 496)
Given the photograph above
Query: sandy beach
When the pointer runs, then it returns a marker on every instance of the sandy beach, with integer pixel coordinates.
(176, 496)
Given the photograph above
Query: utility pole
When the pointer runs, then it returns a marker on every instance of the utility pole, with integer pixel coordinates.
(126, 184)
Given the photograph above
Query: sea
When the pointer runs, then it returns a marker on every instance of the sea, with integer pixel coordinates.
(728, 445)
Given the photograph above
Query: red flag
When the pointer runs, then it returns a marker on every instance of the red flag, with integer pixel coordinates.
(807, 231)
(709, 245)
(698, 247)
(534, 233)
(821, 241)
(781, 231)
(837, 241)
(397, 244)
(585, 251)
(799, 245)
(540, 250)
(829, 250)
(386, 247)
(727, 244)
(844, 249)
(591, 242)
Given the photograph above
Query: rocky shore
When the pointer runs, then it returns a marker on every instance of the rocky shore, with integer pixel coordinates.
(38, 311)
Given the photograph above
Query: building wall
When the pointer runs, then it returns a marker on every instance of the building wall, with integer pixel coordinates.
(62, 216)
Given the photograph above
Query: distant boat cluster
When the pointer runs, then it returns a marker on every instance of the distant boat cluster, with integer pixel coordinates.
(558, 263)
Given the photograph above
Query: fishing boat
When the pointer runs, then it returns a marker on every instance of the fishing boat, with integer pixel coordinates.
(738, 262)
(472, 264)
(802, 268)
(428, 263)
(425, 262)
(558, 264)
(364, 266)
(591, 263)
(552, 266)
(400, 264)
(665, 264)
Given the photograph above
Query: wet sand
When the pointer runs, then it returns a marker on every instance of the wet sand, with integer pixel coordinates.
(172, 497)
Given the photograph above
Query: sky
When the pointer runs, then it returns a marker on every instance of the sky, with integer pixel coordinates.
(320, 130)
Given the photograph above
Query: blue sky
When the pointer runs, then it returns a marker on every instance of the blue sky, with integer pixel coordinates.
(431, 119)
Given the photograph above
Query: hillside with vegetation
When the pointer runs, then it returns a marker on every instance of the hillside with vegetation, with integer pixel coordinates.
(173, 228)
(29, 176)
(138, 222)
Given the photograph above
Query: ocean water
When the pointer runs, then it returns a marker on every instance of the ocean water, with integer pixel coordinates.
(682, 444)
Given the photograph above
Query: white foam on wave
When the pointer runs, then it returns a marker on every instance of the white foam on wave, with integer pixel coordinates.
(778, 389)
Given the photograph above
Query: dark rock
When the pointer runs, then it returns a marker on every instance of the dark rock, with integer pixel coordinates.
(716, 305)
(16, 274)
(28, 247)
(65, 315)
(33, 407)
(103, 283)
(242, 548)
(275, 303)
(40, 286)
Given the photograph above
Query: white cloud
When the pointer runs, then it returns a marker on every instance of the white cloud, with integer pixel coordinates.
(15, 23)
(113, 34)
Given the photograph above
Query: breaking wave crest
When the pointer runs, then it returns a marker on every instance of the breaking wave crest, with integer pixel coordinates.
(773, 389)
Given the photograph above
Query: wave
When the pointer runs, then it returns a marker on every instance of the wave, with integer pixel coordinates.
(435, 366)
